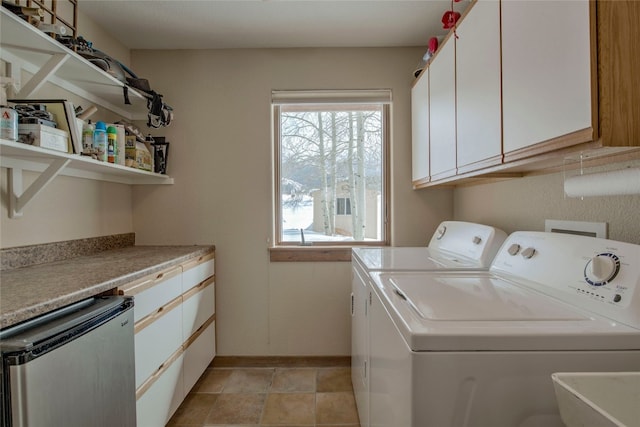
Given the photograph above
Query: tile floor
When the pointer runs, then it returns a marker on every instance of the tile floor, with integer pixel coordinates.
(252, 397)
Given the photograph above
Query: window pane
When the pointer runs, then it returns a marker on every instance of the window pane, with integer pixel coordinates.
(331, 172)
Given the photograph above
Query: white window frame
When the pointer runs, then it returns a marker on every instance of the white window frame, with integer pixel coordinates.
(330, 98)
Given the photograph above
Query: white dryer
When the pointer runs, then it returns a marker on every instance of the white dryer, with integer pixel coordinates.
(455, 245)
(478, 348)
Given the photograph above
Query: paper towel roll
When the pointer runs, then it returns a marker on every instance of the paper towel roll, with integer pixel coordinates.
(614, 183)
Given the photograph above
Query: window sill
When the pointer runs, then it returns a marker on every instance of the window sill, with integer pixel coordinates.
(310, 253)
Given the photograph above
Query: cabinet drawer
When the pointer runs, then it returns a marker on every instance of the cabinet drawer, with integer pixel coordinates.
(157, 340)
(157, 404)
(154, 291)
(198, 355)
(196, 271)
(198, 305)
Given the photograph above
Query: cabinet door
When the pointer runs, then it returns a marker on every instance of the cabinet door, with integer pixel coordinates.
(157, 340)
(546, 74)
(479, 140)
(442, 112)
(194, 272)
(198, 305)
(155, 407)
(154, 291)
(420, 128)
(198, 355)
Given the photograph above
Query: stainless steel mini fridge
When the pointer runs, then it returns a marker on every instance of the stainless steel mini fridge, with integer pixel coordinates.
(73, 367)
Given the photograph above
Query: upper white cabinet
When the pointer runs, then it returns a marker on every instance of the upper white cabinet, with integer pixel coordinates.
(478, 107)
(442, 112)
(535, 83)
(546, 73)
(420, 128)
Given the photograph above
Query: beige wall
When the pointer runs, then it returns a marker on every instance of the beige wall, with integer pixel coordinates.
(69, 208)
(220, 157)
(95, 33)
(525, 203)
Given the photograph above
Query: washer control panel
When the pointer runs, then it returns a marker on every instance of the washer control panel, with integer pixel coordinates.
(597, 274)
(601, 269)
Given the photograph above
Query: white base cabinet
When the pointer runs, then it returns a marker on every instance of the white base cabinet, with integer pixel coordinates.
(174, 336)
(159, 402)
(157, 342)
(198, 355)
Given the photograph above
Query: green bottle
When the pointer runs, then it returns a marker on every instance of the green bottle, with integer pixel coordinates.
(112, 144)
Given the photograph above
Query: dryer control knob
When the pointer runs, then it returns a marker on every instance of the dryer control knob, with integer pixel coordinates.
(440, 232)
(514, 249)
(601, 269)
(528, 253)
(477, 240)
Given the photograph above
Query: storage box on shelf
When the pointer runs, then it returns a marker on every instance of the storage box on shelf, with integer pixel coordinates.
(563, 93)
(174, 335)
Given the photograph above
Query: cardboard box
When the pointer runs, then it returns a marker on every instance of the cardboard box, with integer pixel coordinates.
(137, 155)
(44, 136)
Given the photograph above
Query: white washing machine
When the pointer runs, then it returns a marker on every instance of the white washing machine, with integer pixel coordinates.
(478, 348)
(455, 245)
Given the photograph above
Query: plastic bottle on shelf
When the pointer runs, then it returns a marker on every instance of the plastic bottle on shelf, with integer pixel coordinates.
(87, 137)
(8, 116)
(8, 123)
(112, 144)
(100, 141)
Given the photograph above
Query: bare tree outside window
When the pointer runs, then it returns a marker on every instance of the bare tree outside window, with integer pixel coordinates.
(331, 172)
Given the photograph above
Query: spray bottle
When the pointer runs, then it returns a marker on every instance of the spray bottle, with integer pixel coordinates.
(8, 116)
(112, 144)
(100, 141)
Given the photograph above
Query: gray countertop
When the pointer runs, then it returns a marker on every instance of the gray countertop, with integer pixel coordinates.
(30, 291)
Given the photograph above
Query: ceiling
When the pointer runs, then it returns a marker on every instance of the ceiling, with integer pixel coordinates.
(214, 24)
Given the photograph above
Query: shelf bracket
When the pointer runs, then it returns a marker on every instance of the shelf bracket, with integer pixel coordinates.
(19, 199)
(42, 75)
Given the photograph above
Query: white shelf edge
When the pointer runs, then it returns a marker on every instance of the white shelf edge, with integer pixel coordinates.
(26, 157)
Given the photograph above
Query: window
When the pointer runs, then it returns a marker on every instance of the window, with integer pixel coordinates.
(343, 206)
(331, 167)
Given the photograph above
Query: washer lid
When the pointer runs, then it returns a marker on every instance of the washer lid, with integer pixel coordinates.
(413, 258)
(449, 311)
(477, 299)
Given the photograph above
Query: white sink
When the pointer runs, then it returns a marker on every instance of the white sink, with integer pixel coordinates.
(598, 399)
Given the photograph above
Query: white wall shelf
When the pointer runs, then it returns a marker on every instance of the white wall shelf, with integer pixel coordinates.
(17, 157)
(49, 61)
(23, 47)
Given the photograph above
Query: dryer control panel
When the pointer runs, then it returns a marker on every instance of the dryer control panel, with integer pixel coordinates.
(600, 275)
(473, 241)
